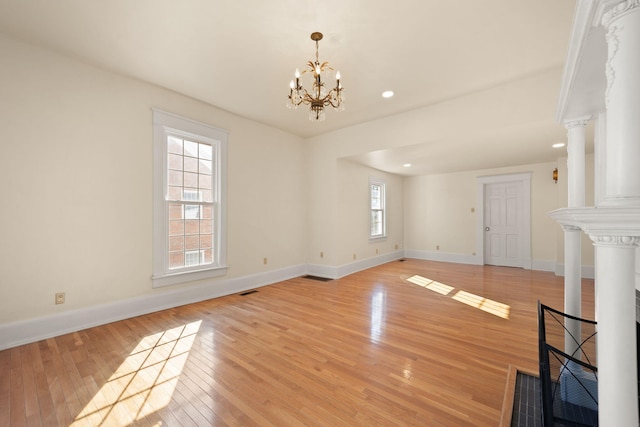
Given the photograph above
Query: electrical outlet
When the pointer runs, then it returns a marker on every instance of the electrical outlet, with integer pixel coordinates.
(437, 247)
(60, 298)
(354, 256)
(321, 254)
(396, 246)
(264, 261)
(376, 251)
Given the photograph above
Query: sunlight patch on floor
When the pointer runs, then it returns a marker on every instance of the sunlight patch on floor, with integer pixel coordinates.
(485, 304)
(144, 382)
(432, 285)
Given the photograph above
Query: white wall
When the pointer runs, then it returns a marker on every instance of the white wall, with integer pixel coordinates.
(353, 203)
(339, 216)
(438, 213)
(76, 174)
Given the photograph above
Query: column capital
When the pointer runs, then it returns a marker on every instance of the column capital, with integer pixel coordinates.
(567, 227)
(620, 8)
(616, 241)
(577, 122)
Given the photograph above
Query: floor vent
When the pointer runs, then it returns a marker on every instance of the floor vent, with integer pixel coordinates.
(248, 292)
(402, 260)
(318, 278)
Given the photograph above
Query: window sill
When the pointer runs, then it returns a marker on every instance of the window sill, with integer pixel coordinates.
(377, 239)
(187, 276)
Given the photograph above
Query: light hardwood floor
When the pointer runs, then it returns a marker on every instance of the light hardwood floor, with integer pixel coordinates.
(372, 348)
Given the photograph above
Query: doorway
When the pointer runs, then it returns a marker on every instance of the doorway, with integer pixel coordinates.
(504, 220)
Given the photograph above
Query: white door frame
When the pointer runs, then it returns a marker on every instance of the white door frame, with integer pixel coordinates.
(525, 179)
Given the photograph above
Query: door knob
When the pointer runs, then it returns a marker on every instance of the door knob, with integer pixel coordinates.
(487, 229)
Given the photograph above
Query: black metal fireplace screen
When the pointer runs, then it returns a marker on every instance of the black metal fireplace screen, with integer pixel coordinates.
(568, 372)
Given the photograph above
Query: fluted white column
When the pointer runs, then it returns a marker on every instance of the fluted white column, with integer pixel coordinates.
(616, 252)
(622, 99)
(616, 314)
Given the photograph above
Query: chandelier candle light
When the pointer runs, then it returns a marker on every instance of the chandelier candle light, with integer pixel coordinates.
(318, 98)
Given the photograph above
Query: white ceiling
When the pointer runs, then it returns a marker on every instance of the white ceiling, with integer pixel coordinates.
(239, 55)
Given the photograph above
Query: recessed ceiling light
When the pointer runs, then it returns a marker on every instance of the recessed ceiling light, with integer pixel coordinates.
(407, 165)
(387, 94)
(558, 145)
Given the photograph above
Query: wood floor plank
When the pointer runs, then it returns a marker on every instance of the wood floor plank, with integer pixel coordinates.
(378, 347)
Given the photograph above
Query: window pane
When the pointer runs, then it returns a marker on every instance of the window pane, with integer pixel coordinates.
(191, 242)
(206, 152)
(175, 178)
(204, 181)
(175, 162)
(191, 180)
(175, 193)
(193, 258)
(174, 145)
(175, 211)
(191, 226)
(206, 226)
(191, 148)
(206, 241)
(176, 259)
(207, 196)
(208, 256)
(205, 167)
(192, 195)
(192, 211)
(176, 228)
(191, 164)
(176, 243)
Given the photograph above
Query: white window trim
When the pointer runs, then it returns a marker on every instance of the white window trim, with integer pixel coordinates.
(383, 184)
(163, 124)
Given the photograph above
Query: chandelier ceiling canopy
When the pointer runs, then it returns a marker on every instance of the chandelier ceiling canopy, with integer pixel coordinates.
(318, 97)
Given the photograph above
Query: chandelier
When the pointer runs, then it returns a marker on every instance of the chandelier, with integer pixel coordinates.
(318, 98)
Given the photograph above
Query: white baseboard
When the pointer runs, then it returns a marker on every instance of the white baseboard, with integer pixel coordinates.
(541, 265)
(31, 330)
(443, 257)
(332, 272)
(327, 271)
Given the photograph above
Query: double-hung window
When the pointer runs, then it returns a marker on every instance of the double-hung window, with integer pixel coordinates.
(377, 206)
(189, 195)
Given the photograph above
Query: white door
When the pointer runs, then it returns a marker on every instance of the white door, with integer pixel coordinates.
(503, 224)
